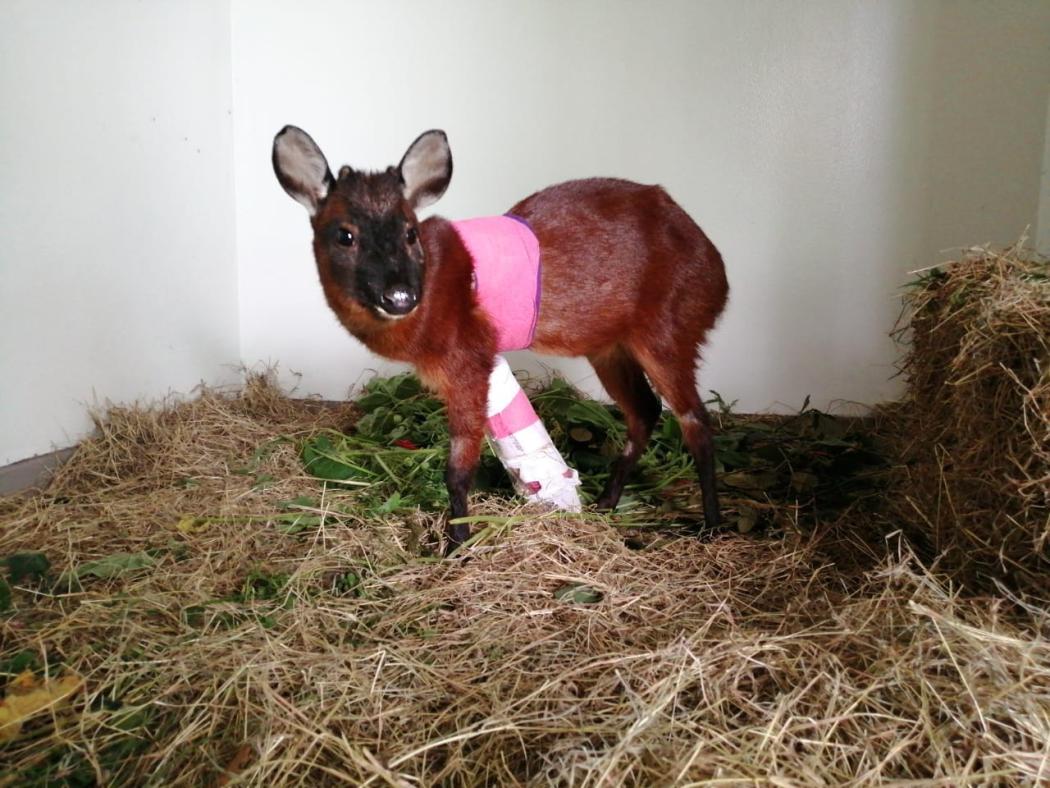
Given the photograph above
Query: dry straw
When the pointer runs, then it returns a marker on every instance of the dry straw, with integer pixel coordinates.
(245, 650)
(978, 420)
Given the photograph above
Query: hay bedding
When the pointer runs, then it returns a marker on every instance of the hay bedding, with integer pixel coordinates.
(221, 621)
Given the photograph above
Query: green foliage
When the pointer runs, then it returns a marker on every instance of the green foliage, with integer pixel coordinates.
(398, 408)
(578, 594)
(396, 455)
(255, 462)
(261, 585)
(114, 565)
(26, 566)
(22, 569)
(380, 469)
(66, 765)
(19, 662)
(107, 568)
(261, 596)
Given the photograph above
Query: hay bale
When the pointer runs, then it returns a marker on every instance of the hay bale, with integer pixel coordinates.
(977, 447)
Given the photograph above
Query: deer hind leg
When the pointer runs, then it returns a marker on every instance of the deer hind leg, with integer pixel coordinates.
(624, 381)
(673, 375)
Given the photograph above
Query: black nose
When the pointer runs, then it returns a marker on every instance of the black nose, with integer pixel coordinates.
(398, 300)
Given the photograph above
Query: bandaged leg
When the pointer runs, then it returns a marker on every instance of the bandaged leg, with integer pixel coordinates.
(522, 444)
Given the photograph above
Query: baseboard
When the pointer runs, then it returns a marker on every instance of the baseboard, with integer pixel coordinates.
(34, 472)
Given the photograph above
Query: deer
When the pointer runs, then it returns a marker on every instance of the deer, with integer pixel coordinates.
(626, 279)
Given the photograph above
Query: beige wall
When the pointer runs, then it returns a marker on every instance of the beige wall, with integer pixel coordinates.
(1043, 229)
(827, 147)
(988, 105)
(116, 210)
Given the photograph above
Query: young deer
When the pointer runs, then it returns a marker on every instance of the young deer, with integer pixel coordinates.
(628, 280)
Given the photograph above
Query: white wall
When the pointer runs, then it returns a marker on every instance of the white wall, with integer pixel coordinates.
(1042, 233)
(989, 120)
(826, 147)
(117, 274)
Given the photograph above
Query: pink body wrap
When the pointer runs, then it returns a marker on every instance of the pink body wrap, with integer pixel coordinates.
(506, 275)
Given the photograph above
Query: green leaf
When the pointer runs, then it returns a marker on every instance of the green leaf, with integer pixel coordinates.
(5, 596)
(131, 719)
(317, 457)
(592, 413)
(261, 585)
(725, 408)
(114, 565)
(348, 583)
(578, 594)
(19, 663)
(753, 482)
(671, 430)
(194, 615)
(804, 481)
(296, 522)
(732, 458)
(581, 434)
(22, 566)
(746, 519)
(391, 504)
(300, 501)
(369, 402)
(834, 443)
(406, 386)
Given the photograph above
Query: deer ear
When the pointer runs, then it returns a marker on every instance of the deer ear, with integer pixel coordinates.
(301, 167)
(426, 169)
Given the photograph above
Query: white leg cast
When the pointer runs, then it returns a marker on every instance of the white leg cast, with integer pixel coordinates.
(522, 444)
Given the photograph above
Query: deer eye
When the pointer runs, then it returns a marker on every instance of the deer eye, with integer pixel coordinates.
(344, 237)
(411, 235)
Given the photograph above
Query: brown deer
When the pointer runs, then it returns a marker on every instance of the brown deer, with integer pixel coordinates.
(627, 279)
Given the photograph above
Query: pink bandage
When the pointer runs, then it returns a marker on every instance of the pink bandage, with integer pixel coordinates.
(506, 255)
(518, 415)
(520, 441)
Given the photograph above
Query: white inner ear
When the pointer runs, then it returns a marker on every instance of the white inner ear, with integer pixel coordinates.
(302, 164)
(426, 162)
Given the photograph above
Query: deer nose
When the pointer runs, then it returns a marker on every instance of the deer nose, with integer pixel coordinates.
(398, 300)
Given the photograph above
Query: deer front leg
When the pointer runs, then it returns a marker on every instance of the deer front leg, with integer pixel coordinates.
(521, 443)
(465, 395)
